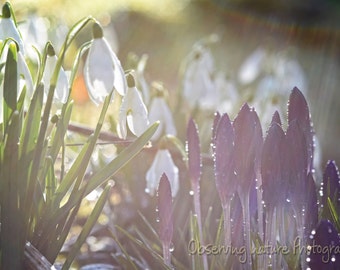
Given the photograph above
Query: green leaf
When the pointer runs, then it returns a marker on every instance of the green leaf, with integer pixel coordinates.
(90, 222)
(334, 213)
(10, 83)
(12, 237)
(110, 169)
(126, 155)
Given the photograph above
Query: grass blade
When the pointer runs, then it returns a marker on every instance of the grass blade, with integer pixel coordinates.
(91, 221)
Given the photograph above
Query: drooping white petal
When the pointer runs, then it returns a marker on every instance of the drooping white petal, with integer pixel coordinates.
(62, 90)
(9, 30)
(162, 163)
(160, 111)
(198, 85)
(34, 32)
(103, 71)
(251, 67)
(26, 74)
(134, 113)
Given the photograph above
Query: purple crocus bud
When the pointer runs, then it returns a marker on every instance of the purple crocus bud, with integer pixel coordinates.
(248, 144)
(276, 118)
(223, 159)
(325, 247)
(165, 210)
(298, 111)
(297, 164)
(331, 183)
(194, 153)
(272, 167)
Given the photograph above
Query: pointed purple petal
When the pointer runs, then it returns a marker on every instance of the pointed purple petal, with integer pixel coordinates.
(223, 158)
(276, 118)
(296, 159)
(325, 247)
(248, 144)
(165, 210)
(331, 182)
(272, 166)
(298, 111)
(194, 153)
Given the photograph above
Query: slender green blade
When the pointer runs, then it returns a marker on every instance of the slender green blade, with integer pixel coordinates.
(12, 242)
(10, 83)
(90, 222)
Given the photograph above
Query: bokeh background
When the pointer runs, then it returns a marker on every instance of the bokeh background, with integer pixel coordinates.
(307, 30)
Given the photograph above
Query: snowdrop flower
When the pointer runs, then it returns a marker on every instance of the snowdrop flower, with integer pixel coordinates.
(162, 163)
(159, 111)
(198, 86)
(62, 90)
(251, 67)
(24, 74)
(8, 28)
(132, 111)
(34, 32)
(102, 71)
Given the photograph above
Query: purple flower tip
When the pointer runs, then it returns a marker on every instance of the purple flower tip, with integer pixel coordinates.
(223, 153)
(165, 210)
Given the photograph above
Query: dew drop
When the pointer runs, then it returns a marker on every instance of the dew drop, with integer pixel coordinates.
(333, 259)
(157, 220)
(288, 200)
(313, 232)
(329, 230)
(157, 210)
(308, 259)
(147, 190)
(191, 193)
(172, 247)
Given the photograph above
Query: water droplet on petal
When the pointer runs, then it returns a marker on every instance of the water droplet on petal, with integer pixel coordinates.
(147, 190)
(329, 230)
(191, 192)
(333, 259)
(288, 200)
(172, 247)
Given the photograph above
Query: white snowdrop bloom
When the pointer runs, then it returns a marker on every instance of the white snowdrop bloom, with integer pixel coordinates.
(132, 111)
(160, 111)
(252, 66)
(198, 84)
(102, 71)
(34, 32)
(162, 163)
(62, 88)
(8, 28)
